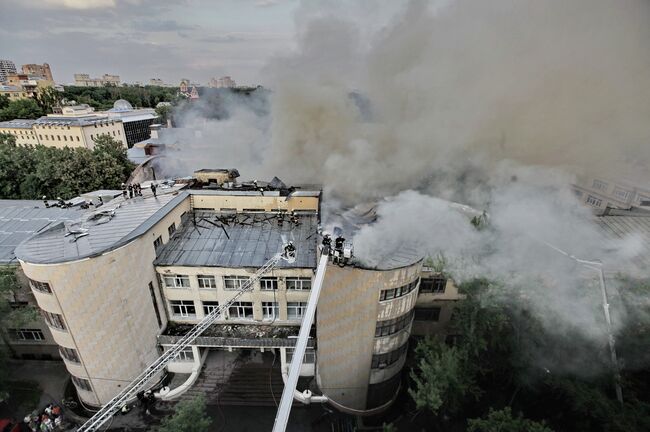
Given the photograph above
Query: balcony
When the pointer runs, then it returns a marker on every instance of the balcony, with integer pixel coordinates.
(236, 336)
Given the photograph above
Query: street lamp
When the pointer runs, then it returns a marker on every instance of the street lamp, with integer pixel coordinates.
(598, 267)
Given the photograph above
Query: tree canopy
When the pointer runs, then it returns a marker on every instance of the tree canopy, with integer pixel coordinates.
(20, 109)
(102, 98)
(503, 421)
(30, 172)
(189, 416)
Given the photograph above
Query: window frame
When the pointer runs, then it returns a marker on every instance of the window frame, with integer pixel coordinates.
(19, 334)
(70, 354)
(212, 281)
(184, 307)
(422, 313)
(208, 306)
(298, 283)
(298, 307)
(54, 320)
(177, 280)
(239, 307)
(82, 383)
(39, 286)
(270, 310)
(264, 282)
(240, 280)
(171, 229)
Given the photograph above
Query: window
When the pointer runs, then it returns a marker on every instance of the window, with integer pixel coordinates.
(26, 334)
(157, 243)
(427, 314)
(207, 282)
(241, 310)
(393, 293)
(177, 281)
(210, 306)
(234, 282)
(296, 310)
(58, 137)
(77, 138)
(392, 326)
(380, 361)
(268, 283)
(435, 284)
(54, 320)
(621, 193)
(309, 358)
(600, 185)
(270, 310)
(592, 200)
(171, 229)
(69, 354)
(43, 287)
(298, 283)
(183, 308)
(40, 136)
(155, 304)
(81, 383)
(186, 355)
(65, 137)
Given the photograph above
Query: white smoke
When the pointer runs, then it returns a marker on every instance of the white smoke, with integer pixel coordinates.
(494, 104)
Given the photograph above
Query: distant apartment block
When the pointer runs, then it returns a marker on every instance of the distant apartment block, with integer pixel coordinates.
(7, 67)
(84, 80)
(223, 82)
(156, 82)
(43, 71)
(602, 193)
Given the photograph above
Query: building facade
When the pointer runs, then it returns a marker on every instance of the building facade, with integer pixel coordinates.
(169, 260)
(600, 193)
(223, 82)
(43, 71)
(84, 80)
(7, 67)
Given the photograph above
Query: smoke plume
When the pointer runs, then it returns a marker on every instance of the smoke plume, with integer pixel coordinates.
(498, 105)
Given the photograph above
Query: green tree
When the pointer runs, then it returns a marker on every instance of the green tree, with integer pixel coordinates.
(21, 109)
(190, 416)
(4, 101)
(47, 98)
(503, 421)
(10, 317)
(165, 112)
(442, 379)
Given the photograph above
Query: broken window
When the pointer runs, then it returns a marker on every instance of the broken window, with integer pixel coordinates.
(232, 283)
(270, 310)
(299, 283)
(176, 281)
(296, 310)
(268, 283)
(241, 310)
(207, 282)
(183, 308)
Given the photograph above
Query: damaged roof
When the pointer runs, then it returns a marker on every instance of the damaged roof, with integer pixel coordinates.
(215, 239)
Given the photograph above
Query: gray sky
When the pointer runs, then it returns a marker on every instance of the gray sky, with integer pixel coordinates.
(143, 39)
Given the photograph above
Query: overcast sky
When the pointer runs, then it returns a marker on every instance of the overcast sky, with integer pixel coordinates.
(143, 39)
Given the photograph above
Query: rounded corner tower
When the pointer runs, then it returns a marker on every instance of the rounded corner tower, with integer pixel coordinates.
(363, 326)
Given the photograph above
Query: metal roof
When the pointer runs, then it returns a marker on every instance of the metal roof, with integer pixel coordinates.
(18, 124)
(240, 240)
(101, 232)
(20, 219)
(623, 224)
(74, 121)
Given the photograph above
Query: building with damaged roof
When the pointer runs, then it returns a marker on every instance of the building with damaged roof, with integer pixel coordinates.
(120, 282)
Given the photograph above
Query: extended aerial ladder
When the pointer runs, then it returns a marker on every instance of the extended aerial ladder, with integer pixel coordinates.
(130, 391)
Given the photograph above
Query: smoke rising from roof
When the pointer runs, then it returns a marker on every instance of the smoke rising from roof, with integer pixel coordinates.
(495, 104)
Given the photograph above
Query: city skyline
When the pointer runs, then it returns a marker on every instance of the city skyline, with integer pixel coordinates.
(145, 39)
